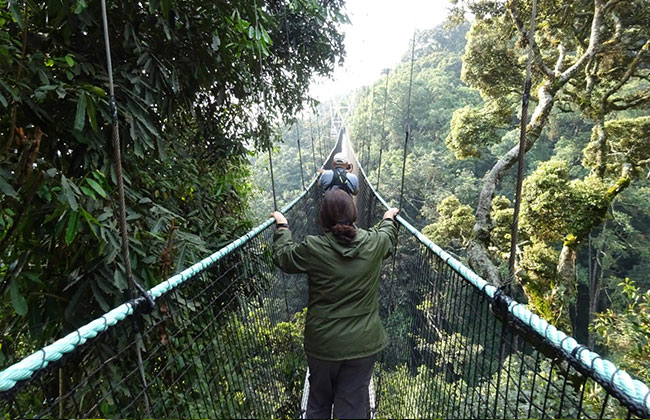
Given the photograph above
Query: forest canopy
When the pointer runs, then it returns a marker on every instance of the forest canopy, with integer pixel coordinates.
(187, 131)
(583, 248)
(195, 140)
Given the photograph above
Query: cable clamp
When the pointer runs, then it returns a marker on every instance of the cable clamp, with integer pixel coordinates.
(501, 303)
(144, 303)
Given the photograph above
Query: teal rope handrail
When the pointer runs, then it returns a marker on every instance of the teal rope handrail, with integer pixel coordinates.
(600, 369)
(24, 369)
(604, 370)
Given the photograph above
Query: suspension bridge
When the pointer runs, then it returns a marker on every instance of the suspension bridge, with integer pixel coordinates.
(222, 338)
(216, 340)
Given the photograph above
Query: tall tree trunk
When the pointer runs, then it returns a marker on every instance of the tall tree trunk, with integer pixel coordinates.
(601, 154)
(477, 252)
(567, 262)
(595, 285)
(554, 80)
(566, 268)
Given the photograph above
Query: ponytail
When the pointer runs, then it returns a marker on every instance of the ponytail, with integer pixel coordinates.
(344, 232)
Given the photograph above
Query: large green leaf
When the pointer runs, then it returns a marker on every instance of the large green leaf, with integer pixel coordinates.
(7, 189)
(69, 194)
(73, 227)
(92, 114)
(16, 13)
(17, 300)
(80, 116)
(95, 186)
(164, 8)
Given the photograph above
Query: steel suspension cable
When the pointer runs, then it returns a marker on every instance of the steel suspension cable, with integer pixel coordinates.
(269, 145)
(408, 125)
(408, 118)
(275, 200)
(362, 150)
(522, 149)
(406, 140)
(369, 131)
(302, 175)
(383, 129)
(313, 149)
(117, 157)
(286, 30)
(320, 140)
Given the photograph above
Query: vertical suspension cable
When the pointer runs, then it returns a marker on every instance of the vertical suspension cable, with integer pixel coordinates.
(522, 150)
(383, 129)
(368, 141)
(302, 175)
(320, 141)
(275, 200)
(362, 150)
(269, 145)
(408, 125)
(408, 117)
(117, 157)
(313, 149)
(372, 114)
(286, 30)
(369, 131)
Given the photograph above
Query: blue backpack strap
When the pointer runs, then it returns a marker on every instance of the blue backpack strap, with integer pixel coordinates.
(340, 180)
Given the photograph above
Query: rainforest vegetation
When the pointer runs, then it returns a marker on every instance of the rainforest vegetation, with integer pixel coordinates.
(583, 253)
(204, 91)
(187, 132)
(584, 241)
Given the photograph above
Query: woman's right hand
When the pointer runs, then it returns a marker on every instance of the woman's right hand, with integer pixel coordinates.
(390, 213)
(279, 217)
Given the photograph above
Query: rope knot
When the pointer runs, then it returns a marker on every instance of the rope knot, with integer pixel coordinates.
(500, 304)
(144, 303)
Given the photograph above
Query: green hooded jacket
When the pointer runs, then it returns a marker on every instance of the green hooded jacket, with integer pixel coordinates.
(343, 313)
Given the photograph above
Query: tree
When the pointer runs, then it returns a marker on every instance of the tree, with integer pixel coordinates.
(454, 222)
(198, 86)
(583, 39)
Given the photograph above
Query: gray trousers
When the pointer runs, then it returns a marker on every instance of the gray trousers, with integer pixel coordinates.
(343, 383)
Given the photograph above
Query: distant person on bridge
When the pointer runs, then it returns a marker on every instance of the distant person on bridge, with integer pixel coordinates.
(339, 178)
(343, 331)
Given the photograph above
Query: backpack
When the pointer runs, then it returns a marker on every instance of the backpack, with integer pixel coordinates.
(340, 180)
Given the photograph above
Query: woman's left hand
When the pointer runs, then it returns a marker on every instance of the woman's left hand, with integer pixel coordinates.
(279, 217)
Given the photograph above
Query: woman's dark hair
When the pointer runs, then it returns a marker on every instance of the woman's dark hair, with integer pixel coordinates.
(337, 215)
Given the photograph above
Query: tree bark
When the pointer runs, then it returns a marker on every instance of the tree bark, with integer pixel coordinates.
(595, 282)
(566, 267)
(567, 261)
(601, 153)
(477, 251)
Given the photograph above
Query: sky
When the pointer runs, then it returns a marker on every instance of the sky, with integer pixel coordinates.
(378, 36)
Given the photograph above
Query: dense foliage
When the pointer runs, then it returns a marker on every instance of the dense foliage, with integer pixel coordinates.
(585, 218)
(191, 131)
(199, 86)
(313, 133)
(459, 134)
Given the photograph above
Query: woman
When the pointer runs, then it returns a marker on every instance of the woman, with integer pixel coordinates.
(343, 332)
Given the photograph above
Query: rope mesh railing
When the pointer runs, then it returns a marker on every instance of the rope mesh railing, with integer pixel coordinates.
(459, 348)
(225, 340)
